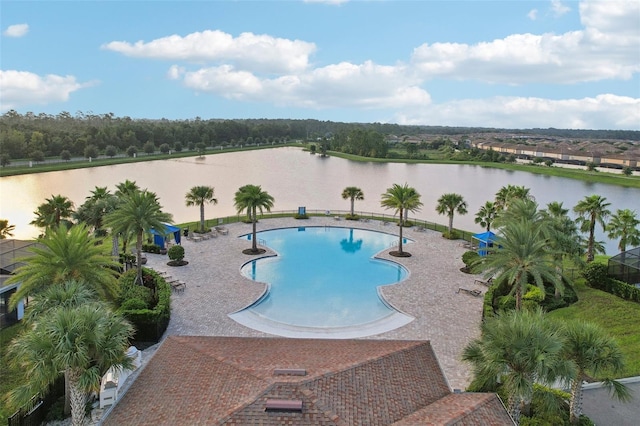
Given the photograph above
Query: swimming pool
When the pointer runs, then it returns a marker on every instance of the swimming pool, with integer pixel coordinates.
(323, 278)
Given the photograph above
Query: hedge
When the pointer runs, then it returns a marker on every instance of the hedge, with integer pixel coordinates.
(597, 277)
(150, 323)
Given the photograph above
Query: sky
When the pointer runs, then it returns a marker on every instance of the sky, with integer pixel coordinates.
(475, 63)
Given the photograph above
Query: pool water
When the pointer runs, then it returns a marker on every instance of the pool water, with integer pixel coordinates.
(324, 276)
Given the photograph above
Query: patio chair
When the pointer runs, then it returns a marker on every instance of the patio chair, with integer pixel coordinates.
(474, 292)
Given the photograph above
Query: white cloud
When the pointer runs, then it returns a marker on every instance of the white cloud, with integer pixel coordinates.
(608, 48)
(367, 85)
(601, 112)
(558, 9)
(256, 53)
(17, 30)
(533, 14)
(175, 72)
(20, 88)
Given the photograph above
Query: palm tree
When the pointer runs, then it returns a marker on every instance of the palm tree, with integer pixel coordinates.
(6, 230)
(137, 213)
(563, 237)
(252, 199)
(624, 225)
(95, 208)
(517, 349)
(486, 215)
(593, 353)
(509, 193)
(523, 253)
(591, 210)
(198, 196)
(123, 189)
(64, 255)
(352, 193)
(54, 211)
(449, 204)
(400, 199)
(81, 342)
(69, 294)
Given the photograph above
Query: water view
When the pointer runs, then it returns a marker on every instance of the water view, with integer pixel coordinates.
(296, 178)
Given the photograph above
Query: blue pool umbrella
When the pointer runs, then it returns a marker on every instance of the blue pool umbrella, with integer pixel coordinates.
(485, 240)
(159, 236)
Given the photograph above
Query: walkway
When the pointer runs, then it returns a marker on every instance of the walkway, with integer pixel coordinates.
(215, 289)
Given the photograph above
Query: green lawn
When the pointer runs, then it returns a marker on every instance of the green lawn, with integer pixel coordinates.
(621, 318)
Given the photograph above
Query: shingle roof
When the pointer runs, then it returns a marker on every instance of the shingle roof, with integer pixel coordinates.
(227, 380)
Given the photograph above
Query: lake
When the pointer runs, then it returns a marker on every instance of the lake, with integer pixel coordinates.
(296, 178)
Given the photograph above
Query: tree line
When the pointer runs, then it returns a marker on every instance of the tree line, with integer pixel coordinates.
(90, 135)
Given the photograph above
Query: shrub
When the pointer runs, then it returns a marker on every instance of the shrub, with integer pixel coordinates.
(133, 305)
(450, 236)
(151, 248)
(176, 253)
(150, 323)
(469, 258)
(506, 303)
(301, 216)
(534, 294)
(596, 274)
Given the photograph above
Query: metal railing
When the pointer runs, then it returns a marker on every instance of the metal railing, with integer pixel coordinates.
(415, 223)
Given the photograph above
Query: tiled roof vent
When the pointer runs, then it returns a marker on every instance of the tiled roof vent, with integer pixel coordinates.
(289, 372)
(283, 405)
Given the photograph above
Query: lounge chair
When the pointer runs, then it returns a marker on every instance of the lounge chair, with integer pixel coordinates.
(222, 230)
(178, 286)
(474, 292)
(487, 282)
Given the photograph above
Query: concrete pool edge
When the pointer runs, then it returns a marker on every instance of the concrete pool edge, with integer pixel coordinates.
(256, 322)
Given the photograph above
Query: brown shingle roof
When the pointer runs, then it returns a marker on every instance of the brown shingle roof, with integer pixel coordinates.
(227, 380)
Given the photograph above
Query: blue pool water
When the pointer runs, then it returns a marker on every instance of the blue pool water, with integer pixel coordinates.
(324, 276)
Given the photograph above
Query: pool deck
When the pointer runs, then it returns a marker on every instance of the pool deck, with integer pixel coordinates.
(215, 288)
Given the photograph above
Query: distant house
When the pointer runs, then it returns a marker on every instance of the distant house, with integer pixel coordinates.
(275, 381)
(11, 251)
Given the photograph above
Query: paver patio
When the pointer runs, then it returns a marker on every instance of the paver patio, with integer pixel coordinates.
(216, 288)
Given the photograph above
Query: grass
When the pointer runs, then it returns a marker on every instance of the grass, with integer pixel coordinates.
(8, 378)
(620, 318)
(579, 174)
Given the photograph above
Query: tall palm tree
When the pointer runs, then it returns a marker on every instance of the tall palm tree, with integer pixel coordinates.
(509, 193)
(123, 189)
(81, 342)
(624, 225)
(522, 254)
(54, 211)
(486, 215)
(517, 349)
(63, 255)
(252, 199)
(6, 230)
(591, 210)
(449, 204)
(198, 196)
(352, 193)
(563, 237)
(593, 353)
(400, 199)
(137, 213)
